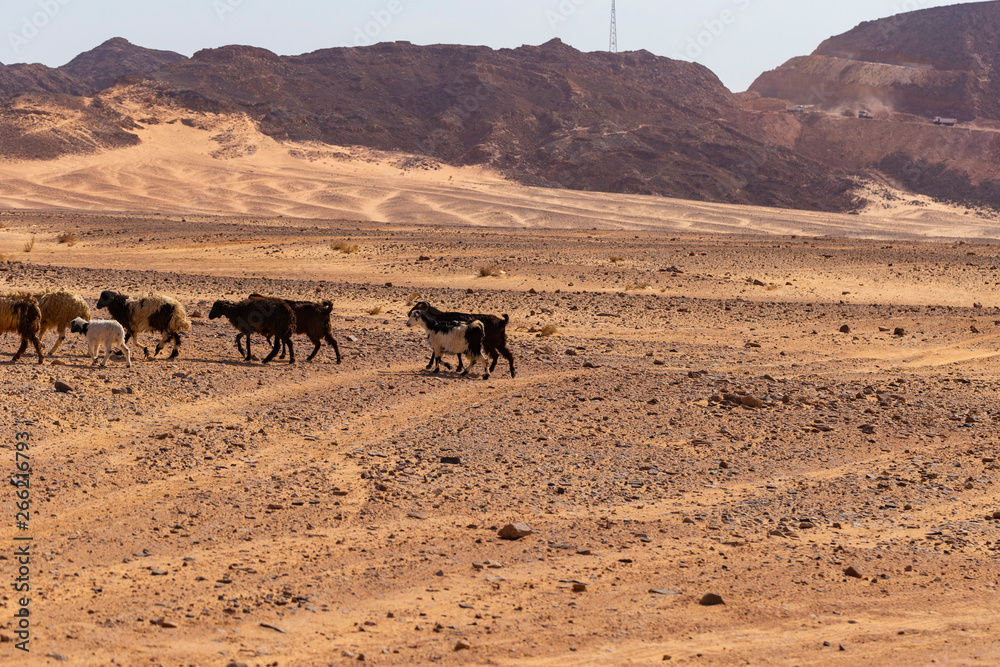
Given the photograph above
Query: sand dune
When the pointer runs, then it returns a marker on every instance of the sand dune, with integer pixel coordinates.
(224, 166)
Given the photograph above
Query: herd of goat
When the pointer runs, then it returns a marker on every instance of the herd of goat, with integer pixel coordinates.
(472, 337)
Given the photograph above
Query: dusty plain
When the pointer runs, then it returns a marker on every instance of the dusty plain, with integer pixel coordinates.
(217, 512)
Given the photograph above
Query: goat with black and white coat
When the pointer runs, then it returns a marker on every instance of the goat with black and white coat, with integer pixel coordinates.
(449, 337)
(494, 329)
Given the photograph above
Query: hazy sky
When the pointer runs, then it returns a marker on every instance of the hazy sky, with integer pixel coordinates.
(737, 39)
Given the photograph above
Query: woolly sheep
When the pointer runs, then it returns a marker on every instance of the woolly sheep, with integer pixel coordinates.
(153, 312)
(59, 308)
(20, 314)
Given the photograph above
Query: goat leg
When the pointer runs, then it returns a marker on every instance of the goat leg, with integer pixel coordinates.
(274, 350)
(317, 342)
(333, 343)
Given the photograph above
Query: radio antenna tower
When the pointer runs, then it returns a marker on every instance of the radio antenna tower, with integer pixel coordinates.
(613, 48)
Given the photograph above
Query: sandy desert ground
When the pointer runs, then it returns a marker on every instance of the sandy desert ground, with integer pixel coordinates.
(698, 423)
(688, 418)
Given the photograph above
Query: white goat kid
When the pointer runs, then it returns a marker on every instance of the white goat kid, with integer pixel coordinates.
(102, 333)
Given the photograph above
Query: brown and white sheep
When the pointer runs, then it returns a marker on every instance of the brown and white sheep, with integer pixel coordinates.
(20, 314)
(153, 312)
(59, 308)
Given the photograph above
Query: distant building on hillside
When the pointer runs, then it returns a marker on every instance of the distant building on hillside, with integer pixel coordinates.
(938, 120)
(798, 108)
(865, 114)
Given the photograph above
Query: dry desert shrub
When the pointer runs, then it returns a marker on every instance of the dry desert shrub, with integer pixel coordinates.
(375, 310)
(614, 259)
(30, 245)
(411, 297)
(638, 286)
(69, 238)
(491, 271)
(344, 247)
(548, 330)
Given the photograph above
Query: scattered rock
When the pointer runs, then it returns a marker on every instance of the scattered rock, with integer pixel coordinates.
(899, 331)
(462, 645)
(710, 600)
(752, 402)
(416, 515)
(852, 572)
(845, 329)
(515, 531)
(63, 388)
(273, 627)
(451, 460)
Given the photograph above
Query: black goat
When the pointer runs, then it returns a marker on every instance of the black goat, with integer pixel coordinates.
(268, 317)
(494, 330)
(313, 320)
